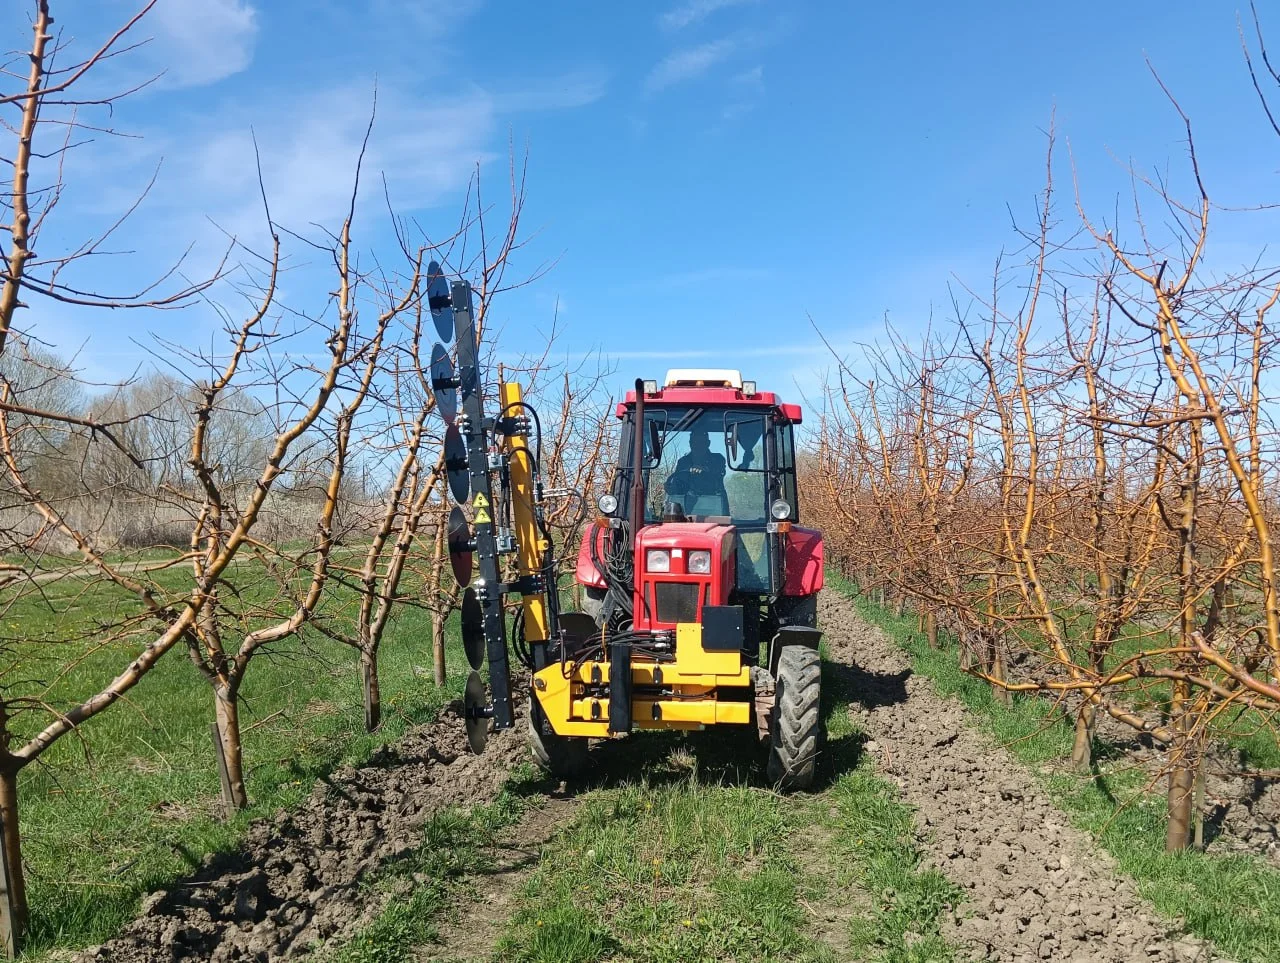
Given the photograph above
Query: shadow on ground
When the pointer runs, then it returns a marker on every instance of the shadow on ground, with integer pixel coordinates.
(733, 755)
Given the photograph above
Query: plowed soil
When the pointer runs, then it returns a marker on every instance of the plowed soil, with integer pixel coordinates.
(296, 879)
(1036, 887)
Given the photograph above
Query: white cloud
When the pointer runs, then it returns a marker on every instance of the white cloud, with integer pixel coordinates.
(309, 151)
(693, 11)
(575, 89)
(682, 65)
(441, 15)
(203, 41)
(308, 144)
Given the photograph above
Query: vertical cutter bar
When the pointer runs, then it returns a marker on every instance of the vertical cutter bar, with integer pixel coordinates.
(489, 586)
(531, 546)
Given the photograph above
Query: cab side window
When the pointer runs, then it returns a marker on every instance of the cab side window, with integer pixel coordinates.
(787, 467)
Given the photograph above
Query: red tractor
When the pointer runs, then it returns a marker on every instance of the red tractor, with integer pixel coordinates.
(700, 585)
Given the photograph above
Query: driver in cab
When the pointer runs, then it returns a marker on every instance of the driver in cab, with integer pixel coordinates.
(699, 477)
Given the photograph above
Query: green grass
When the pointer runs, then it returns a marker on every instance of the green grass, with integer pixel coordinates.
(696, 859)
(875, 850)
(1232, 900)
(132, 802)
(665, 871)
(455, 845)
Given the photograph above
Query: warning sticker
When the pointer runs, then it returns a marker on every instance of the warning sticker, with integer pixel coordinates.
(482, 517)
(480, 501)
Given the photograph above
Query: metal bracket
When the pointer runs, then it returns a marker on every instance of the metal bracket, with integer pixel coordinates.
(524, 585)
(513, 426)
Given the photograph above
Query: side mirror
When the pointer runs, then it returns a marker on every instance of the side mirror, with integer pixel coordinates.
(742, 432)
(655, 442)
(731, 441)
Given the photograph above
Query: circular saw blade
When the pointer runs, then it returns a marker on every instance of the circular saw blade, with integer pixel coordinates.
(472, 628)
(442, 374)
(439, 301)
(455, 464)
(474, 701)
(461, 557)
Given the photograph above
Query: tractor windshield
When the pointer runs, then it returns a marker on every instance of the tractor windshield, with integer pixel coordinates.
(710, 462)
(714, 464)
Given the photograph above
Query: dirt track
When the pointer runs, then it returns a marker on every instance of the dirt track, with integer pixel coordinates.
(1036, 888)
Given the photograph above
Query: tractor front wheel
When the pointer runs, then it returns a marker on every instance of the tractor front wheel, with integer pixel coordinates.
(563, 756)
(795, 730)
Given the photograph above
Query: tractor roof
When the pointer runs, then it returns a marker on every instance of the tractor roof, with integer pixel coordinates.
(707, 386)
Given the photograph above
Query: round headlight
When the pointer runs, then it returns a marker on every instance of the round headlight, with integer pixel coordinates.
(608, 504)
(657, 560)
(699, 562)
(780, 510)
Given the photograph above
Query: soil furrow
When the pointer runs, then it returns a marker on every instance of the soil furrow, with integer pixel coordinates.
(296, 880)
(1037, 887)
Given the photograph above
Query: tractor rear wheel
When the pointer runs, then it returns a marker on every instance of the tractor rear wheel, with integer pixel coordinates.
(563, 756)
(795, 730)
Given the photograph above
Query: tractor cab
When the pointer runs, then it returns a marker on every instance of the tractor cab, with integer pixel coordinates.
(719, 515)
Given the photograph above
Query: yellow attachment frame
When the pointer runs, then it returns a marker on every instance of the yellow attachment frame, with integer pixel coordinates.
(694, 676)
(531, 545)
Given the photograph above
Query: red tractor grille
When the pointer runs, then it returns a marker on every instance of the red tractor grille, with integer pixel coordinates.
(677, 601)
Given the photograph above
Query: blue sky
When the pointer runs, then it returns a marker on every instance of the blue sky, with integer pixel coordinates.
(707, 174)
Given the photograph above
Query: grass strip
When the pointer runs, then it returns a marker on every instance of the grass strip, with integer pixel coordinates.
(875, 850)
(667, 868)
(1233, 900)
(419, 887)
(686, 862)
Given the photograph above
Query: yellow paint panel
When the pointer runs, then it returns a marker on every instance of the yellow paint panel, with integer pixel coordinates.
(642, 673)
(694, 676)
(693, 659)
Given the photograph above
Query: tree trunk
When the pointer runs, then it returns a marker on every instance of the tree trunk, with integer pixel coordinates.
(13, 890)
(997, 670)
(1181, 785)
(227, 712)
(1198, 806)
(371, 690)
(931, 628)
(1082, 748)
(437, 646)
(1181, 778)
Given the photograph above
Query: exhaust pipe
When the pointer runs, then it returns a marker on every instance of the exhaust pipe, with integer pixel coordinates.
(637, 466)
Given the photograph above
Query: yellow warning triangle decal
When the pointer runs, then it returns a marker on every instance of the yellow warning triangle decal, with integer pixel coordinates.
(480, 501)
(482, 517)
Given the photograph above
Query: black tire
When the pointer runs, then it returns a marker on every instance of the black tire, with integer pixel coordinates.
(563, 756)
(593, 602)
(795, 729)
